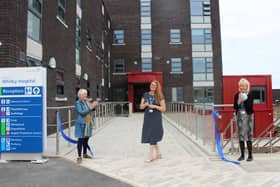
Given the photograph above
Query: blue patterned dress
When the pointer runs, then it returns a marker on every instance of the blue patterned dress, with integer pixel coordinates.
(152, 131)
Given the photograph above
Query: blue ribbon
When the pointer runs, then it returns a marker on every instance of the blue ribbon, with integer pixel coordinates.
(65, 136)
(215, 114)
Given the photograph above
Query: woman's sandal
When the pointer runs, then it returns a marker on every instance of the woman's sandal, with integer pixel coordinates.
(148, 160)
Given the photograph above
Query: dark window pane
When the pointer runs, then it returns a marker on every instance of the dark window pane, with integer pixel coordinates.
(258, 94)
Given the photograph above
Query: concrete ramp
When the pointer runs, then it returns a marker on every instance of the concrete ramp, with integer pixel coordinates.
(120, 154)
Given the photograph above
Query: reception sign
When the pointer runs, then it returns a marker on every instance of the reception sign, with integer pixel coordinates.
(22, 110)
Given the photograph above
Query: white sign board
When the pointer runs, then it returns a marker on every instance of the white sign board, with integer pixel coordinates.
(23, 116)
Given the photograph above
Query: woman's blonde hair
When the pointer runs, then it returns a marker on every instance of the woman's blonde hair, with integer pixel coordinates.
(158, 92)
(244, 81)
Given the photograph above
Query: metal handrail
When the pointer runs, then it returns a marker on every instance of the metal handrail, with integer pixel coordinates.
(103, 113)
(193, 119)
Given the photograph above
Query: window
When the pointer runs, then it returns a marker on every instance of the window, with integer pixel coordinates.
(177, 94)
(78, 39)
(200, 11)
(78, 32)
(258, 94)
(196, 8)
(89, 39)
(59, 83)
(88, 87)
(34, 28)
(77, 51)
(146, 37)
(102, 10)
(102, 39)
(176, 65)
(146, 20)
(33, 62)
(109, 24)
(146, 48)
(203, 69)
(145, 10)
(175, 36)
(206, 8)
(118, 36)
(201, 40)
(146, 64)
(79, 2)
(203, 95)
(119, 66)
(78, 86)
(61, 9)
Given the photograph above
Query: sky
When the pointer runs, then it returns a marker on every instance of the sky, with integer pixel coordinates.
(250, 32)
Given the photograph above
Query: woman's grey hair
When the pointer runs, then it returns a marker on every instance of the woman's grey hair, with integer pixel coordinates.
(81, 91)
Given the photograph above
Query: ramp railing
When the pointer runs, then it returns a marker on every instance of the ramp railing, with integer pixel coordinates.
(195, 121)
(103, 113)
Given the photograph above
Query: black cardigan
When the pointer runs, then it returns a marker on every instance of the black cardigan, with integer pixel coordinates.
(248, 104)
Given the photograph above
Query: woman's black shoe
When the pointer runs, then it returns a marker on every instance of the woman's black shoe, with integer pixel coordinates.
(249, 158)
(241, 158)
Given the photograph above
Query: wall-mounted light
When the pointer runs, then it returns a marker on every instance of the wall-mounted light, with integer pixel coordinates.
(52, 63)
(97, 57)
(167, 61)
(0, 43)
(85, 76)
(135, 62)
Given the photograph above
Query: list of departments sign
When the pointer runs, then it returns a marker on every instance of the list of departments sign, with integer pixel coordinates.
(22, 106)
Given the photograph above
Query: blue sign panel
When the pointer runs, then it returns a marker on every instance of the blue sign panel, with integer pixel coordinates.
(21, 118)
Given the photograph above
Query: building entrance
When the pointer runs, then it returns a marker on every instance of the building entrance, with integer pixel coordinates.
(138, 83)
(139, 90)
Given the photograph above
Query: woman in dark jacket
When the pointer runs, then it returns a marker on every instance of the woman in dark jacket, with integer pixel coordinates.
(243, 105)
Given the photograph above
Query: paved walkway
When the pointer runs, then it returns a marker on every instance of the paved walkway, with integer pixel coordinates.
(57, 172)
(119, 154)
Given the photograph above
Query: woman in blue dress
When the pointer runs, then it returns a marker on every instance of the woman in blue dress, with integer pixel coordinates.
(152, 132)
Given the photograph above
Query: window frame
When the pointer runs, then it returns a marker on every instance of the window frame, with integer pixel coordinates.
(146, 65)
(176, 65)
(118, 40)
(117, 62)
(175, 36)
(204, 69)
(60, 83)
(32, 11)
(179, 97)
(61, 6)
(262, 93)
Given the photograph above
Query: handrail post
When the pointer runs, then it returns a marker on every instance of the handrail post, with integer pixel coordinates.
(203, 122)
(270, 137)
(69, 125)
(231, 137)
(57, 135)
(196, 123)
